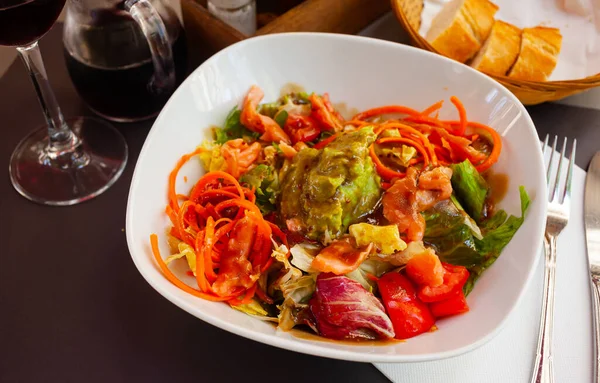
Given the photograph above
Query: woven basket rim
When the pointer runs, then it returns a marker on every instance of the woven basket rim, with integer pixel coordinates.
(583, 83)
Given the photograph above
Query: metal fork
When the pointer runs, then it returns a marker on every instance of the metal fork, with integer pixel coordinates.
(559, 208)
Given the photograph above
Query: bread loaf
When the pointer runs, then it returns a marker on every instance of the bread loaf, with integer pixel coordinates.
(500, 50)
(539, 51)
(461, 28)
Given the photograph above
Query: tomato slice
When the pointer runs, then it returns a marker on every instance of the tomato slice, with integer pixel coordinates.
(455, 278)
(410, 317)
(451, 306)
(301, 128)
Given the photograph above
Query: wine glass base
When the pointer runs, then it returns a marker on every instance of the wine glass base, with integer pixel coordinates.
(82, 175)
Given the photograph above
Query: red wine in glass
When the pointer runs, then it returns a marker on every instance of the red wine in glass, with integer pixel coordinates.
(65, 161)
(23, 22)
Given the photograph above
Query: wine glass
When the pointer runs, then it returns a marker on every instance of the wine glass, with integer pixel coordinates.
(66, 161)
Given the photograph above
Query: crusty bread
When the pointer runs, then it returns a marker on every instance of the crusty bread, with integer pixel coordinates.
(500, 50)
(540, 47)
(412, 10)
(461, 27)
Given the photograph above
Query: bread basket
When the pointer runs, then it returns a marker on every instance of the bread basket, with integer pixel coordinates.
(408, 13)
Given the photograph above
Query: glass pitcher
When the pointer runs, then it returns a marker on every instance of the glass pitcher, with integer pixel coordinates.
(125, 58)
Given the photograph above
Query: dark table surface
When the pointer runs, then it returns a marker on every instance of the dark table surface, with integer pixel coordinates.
(73, 307)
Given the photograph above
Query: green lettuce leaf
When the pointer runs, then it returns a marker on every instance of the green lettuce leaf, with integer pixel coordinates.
(269, 109)
(281, 118)
(496, 220)
(455, 239)
(496, 238)
(233, 129)
(449, 234)
(470, 188)
(296, 98)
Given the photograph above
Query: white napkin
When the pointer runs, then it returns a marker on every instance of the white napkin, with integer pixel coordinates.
(509, 356)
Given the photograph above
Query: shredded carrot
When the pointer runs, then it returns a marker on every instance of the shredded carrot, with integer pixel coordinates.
(357, 122)
(207, 248)
(385, 172)
(191, 218)
(277, 231)
(325, 142)
(200, 265)
(427, 121)
(223, 230)
(390, 109)
(407, 141)
(433, 108)
(172, 216)
(180, 224)
(219, 177)
(460, 147)
(217, 201)
(462, 113)
(173, 279)
(236, 203)
(173, 177)
(496, 142)
(419, 135)
(207, 194)
(247, 297)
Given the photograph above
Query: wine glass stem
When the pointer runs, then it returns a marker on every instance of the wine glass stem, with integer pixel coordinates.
(61, 139)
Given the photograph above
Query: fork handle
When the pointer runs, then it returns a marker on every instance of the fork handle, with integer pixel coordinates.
(543, 369)
(596, 317)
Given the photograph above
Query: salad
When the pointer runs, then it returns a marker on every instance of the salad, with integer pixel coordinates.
(362, 229)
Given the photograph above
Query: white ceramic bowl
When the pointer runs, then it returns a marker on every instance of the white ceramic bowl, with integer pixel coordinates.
(363, 73)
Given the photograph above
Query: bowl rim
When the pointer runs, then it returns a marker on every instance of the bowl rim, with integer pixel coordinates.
(314, 347)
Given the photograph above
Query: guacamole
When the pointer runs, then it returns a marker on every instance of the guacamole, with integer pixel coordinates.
(327, 190)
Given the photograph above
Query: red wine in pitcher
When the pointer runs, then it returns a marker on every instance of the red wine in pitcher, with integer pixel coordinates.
(111, 66)
(24, 21)
(123, 94)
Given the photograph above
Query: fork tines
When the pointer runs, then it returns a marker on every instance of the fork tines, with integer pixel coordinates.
(553, 184)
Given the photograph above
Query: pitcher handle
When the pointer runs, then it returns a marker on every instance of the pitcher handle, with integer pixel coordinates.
(154, 30)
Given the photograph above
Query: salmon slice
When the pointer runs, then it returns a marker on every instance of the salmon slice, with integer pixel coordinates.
(251, 119)
(408, 197)
(239, 156)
